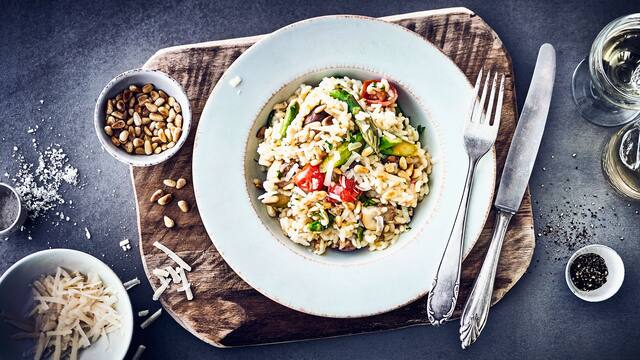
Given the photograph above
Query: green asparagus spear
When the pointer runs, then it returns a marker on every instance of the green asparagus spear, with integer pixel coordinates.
(366, 126)
(343, 95)
(292, 112)
(341, 154)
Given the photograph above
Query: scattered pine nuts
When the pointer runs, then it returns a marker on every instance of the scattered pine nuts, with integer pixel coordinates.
(164, 200)
(169, 182)
(181, 183)
(156, 195)
(168, 222)
(183, 205)
(136, 116)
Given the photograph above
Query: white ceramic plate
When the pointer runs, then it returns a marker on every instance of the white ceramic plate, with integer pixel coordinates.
(17, 281)
(433, 92)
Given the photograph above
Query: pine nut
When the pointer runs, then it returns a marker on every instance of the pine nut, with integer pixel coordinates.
(178, 120)
(137, 119)
(147, 88)
(147, 147)
(124, 135)
(128, 147)
(108, 130)
(159, 101)
(118, 115)
(181, 183)
(151, 107)
(168, 222)
(169, 182)
(155, 117)
(177, 107)
(118, 125)
(137, 142)
(165, 199)
(183, 205)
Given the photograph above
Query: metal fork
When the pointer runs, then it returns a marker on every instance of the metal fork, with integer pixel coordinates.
(479, 136)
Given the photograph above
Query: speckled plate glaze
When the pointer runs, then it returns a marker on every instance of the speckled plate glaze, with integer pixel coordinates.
(433, 92)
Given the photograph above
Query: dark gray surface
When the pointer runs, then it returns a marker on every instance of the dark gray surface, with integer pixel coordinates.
(64, 53)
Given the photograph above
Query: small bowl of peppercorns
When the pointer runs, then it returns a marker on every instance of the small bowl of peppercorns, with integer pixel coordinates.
(595, 273)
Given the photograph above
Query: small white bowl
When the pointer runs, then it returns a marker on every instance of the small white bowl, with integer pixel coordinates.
(140, 77)
(15, 287)
(21, 211)
(615, 267)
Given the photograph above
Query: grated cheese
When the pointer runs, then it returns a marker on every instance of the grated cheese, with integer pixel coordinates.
(143, 313)
(131, 283)
(235, 81)
(71, 311)
(164, 284)
(145, 324)
(175, 277)
(173, 256)
(185, 285)
(160, 272)
(139, 351)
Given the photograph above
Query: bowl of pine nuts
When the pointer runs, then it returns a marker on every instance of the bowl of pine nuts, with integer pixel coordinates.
(142, 117)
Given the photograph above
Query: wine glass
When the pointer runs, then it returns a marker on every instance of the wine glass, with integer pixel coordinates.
(606, 85)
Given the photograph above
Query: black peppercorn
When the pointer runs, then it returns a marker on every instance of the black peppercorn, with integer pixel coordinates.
(588, 272)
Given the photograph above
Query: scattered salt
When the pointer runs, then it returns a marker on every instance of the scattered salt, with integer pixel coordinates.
(39, 185)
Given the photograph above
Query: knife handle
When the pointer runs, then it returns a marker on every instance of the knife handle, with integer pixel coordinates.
(476, 310)
(442, 298)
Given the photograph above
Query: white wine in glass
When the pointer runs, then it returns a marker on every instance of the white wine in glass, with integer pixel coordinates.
(606, 85)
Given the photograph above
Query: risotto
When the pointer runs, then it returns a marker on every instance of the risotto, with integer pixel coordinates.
(344, 168)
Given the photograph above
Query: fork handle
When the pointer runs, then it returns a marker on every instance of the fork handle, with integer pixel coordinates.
(443, 295)
(476, 310)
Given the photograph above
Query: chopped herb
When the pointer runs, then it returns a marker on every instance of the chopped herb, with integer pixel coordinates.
(270, 118)
(366, 201)
(315, 226)
(329, 145)
(278, 174)
(360, 233)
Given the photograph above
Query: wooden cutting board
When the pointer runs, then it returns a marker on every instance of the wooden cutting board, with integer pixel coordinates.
(228, 312)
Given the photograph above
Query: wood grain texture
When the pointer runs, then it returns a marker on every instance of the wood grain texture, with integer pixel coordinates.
(228, 312)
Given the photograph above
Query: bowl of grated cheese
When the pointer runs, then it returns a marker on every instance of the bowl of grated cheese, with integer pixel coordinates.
(64, 304)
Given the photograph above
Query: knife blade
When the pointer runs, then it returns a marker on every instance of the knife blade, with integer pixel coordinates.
(526, 139)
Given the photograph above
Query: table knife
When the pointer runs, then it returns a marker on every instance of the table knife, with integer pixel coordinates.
(513, 183)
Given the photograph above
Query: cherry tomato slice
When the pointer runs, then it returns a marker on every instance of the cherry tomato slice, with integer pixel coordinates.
(309, 178)
(345, 189)
(384, 98)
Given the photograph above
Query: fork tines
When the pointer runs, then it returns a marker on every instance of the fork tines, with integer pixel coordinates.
(478, 114)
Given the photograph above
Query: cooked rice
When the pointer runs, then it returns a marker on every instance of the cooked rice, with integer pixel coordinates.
(396, 185)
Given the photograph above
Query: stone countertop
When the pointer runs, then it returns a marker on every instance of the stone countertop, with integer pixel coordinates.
(58, 55)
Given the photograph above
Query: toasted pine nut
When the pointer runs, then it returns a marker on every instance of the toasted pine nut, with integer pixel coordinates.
(183, 205)
(156, 195)
(164, 200)
(169, 182)
(181, 183)
(168, 222)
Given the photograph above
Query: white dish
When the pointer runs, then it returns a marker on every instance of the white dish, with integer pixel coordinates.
(17, 281)
(615, 267)
(140, 77)
(433, 92)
